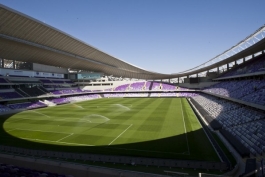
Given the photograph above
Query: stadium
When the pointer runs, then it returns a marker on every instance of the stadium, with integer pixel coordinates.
(70, 109)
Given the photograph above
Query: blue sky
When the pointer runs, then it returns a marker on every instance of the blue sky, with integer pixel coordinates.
(166, 36)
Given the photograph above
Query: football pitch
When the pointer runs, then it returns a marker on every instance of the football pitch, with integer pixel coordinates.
(149, 127)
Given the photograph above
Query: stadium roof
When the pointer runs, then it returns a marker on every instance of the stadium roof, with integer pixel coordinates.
(27, 39)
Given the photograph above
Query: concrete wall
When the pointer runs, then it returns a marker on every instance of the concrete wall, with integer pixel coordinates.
(69, 169)
(199, 85)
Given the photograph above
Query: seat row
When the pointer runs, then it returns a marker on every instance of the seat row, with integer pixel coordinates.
(252, 90)
(244, 123)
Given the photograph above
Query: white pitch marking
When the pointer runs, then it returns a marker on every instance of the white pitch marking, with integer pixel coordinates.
(117, 124)
(65, 137)
(76, 119)
(39, 113)
(78, 106)
(11, 130)
(19, 119)
(120, 134)
(57, 142)
(206, 133)
(38, 131)
(185, 127)
(11, 121)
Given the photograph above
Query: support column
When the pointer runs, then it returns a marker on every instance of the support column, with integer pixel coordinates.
(3, 63)
(197, 75)
(178, 79)
(14, 64)
(227, 66)
(244, 60)
(218, 71)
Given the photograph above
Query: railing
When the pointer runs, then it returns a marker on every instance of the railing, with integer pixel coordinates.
(249, 41)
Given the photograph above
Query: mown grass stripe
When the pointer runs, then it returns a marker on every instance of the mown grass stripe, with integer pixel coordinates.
(184, 124)
(157, 127)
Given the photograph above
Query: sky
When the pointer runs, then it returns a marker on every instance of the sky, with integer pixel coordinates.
(165, 36)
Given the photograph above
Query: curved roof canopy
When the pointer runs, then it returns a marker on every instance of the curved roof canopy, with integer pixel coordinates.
(26, 39)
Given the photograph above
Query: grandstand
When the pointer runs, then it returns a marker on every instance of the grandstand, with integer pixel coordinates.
(119, 118)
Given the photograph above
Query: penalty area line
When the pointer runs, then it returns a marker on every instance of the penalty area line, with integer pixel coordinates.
(56, 142)
(76, 120)
(38, 131)
(39, 113)
(65, 137)
(120, 134)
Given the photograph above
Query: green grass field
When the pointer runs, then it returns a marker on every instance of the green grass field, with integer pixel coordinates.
(149, 127)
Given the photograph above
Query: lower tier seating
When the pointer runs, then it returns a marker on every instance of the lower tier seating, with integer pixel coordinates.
(7, 170)
(246, 124)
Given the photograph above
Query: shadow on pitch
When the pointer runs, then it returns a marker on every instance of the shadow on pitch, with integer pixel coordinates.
(196, 148)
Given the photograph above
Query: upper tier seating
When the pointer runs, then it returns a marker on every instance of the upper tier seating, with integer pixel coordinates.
(137, 86)
(168, 87)
(122, 87)
(69, 91)
(34, 91)
(246, 90)
(9, 95)
(147, 85)
(257, 97)
(256, 65)
(156, 86)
